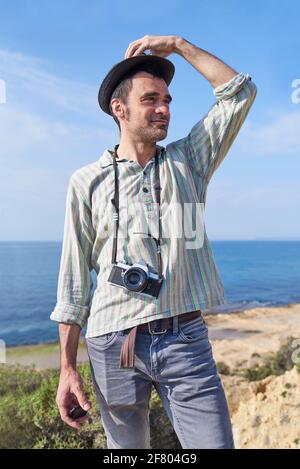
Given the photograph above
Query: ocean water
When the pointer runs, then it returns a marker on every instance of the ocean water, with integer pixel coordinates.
(254, 273)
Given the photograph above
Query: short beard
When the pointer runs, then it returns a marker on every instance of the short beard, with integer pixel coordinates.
(151, 134)
(148, 134)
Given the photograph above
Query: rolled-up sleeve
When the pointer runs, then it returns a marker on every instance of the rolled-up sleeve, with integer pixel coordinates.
(210, 139)
(75, 280)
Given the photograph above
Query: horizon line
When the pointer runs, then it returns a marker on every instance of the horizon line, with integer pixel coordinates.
(210, 239)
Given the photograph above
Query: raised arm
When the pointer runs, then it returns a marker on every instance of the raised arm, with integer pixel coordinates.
(209, 140)
(210, 66)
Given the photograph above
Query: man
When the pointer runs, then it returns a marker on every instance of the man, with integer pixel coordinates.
(143, 332)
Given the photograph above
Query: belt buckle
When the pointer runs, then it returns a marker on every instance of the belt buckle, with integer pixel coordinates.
(155, 332)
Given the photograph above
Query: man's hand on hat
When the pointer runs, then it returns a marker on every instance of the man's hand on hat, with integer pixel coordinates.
(162, 46)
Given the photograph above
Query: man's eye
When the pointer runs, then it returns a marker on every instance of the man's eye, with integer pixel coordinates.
(151, 98)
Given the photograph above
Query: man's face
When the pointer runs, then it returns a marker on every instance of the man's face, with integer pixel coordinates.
(147, 113)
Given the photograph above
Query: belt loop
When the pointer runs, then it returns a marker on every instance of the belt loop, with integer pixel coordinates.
(175, 325)
(149, 326)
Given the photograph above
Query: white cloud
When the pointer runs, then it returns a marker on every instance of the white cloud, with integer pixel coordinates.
(249, 212)
(28, 82)
(281, 136)
(42, 143)
(35, 123)
(25, 134)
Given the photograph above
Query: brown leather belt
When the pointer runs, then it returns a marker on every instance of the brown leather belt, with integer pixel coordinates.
(128, 347)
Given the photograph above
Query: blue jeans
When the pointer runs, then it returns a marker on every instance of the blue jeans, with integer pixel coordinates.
(180, 365)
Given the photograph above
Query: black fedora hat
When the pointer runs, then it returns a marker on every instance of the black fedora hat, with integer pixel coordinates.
(164, 67)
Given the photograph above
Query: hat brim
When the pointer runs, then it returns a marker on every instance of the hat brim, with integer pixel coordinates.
(164, 66)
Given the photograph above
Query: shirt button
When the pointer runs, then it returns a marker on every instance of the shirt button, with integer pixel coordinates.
(145, 189)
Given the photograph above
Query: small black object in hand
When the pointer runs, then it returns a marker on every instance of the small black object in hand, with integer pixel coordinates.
(77, 412)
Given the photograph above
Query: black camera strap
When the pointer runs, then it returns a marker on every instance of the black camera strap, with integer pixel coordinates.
(115, 202)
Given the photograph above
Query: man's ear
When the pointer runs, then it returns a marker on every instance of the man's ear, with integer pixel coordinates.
(117, 108)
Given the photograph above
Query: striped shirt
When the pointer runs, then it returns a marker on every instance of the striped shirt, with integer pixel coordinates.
(191, 278)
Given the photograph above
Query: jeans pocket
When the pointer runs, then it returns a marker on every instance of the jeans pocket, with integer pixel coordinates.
(103, 341)
(193, 330)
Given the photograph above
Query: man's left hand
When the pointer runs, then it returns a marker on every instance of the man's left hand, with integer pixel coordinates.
(161, 46)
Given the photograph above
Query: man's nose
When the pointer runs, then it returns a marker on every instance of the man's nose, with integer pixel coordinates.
(162, 108)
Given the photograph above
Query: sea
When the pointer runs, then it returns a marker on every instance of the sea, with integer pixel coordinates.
(254, 274)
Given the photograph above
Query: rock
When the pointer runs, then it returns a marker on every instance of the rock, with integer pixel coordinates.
(265, 414)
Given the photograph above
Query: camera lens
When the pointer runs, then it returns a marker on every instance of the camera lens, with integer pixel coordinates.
(135, 279)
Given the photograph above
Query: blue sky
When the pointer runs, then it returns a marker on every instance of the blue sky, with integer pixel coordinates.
(54, 55)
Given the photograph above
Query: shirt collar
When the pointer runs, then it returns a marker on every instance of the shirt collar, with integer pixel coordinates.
(106, 159)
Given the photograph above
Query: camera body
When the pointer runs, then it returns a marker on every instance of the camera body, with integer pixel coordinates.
(138, 277)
